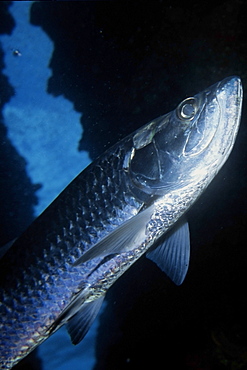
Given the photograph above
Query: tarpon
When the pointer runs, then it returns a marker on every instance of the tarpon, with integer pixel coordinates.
(120, 207)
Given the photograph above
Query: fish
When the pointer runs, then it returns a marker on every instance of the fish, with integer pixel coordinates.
(132, 200)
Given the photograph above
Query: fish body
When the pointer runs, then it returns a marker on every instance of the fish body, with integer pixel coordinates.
(121, 206)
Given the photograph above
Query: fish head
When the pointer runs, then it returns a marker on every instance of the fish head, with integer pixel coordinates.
(190, 144)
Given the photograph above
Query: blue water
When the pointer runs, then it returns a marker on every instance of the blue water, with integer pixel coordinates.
(45, 130)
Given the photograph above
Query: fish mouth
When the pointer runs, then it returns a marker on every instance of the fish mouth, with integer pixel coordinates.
(226, 96)
(217, 120)
(229, 94)
(232, 85)
(220, 116)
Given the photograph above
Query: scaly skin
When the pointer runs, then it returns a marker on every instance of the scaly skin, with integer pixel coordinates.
(152, 176)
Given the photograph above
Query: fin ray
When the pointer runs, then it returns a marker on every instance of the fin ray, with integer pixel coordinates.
(123, 239)
(81, 322)
(173, 254)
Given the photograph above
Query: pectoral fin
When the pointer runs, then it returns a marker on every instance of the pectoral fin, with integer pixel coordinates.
(6, 247)
(79, 324)
(173, 254)
(124, 238)
(78, 316)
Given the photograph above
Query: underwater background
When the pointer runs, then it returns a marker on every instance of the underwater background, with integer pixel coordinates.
(75, 78)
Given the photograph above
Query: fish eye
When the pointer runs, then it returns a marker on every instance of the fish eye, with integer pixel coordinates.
(187, 109)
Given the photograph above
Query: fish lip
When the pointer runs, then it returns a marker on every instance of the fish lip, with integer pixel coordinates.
(231, 82)
(232, 87)
(232, 90)
(229, 93)
(227, 96)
